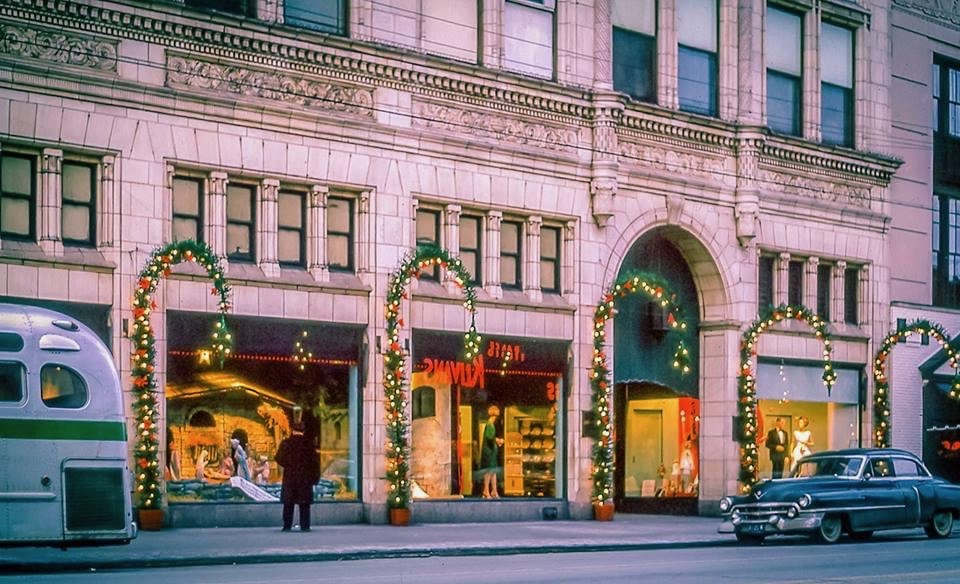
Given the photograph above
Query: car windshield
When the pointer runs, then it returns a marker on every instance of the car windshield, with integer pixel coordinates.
(840, 466)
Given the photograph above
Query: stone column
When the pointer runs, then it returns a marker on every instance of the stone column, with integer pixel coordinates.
(811, 76)
(810, 283)
(667, 54)
(751, 71)
(728, 61)
(491, 255)
(531, 259)
(107, 220)
(51, 193)
(864, 298)
(317, 233)
(215, 222)
(364, 239)
(267, 227)
(451, 236)
(602, 46)
(839, 292)
(782, 282)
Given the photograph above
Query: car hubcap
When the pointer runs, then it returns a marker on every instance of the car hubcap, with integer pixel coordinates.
(943, 522)
(830, 529)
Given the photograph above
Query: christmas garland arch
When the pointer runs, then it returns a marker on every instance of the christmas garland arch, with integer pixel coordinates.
(143, 355)
(747, 382)
(602, 431)
(881, 399)
(394, 376)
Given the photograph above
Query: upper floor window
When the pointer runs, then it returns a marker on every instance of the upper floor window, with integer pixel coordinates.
(836, 89)
(340, 234)
(635, 47)
(428, 231)
(824, 274)
(328, 16)
(946, 122)
(765, 297)
(528, 32)
(510, 257)
(946, 250)
(782, 44)
(795, 283)
(241, 7)
(291, 232)
(78, 216)
(450, 28)
(18, 197)
(240, 222)
(470, 245)
(187, 209)
(851, 295)
(697, 66)
(550, 240)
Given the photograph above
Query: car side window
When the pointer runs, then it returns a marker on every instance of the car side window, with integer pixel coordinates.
(62, 387)
(904, 467)
(11, 382)
(881, 467)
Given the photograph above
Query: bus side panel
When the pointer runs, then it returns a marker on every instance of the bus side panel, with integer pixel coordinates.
(30, 491)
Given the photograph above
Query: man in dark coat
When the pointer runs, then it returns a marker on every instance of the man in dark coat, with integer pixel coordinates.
(301, 470)
(777, 441)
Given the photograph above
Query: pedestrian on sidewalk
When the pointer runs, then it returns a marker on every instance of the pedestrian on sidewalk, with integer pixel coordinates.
(301, 470)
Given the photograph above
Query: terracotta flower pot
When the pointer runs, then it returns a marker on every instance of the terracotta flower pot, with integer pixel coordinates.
(150, 519)
(399, 517)
(603, 511)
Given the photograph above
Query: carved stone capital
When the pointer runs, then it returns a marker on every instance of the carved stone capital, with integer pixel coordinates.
(269, 188)
(51, 161)
(318, 196)
(602, 193)
(218, 182)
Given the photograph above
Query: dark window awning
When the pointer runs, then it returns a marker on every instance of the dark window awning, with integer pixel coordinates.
(527, 353)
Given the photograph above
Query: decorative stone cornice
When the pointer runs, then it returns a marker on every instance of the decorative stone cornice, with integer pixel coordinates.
(486, 124)
(58, 47)
(676, 162)
(271, 85)
(877, 171)
(944, 12)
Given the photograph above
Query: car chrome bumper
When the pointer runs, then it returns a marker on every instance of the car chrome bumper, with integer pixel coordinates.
(774, 525)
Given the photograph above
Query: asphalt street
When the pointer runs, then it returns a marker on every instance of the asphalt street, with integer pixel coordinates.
(784, 561)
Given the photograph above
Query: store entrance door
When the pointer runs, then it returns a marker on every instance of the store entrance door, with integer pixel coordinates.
(643, 452)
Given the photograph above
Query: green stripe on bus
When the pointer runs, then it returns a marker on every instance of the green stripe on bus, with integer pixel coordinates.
(17, 429)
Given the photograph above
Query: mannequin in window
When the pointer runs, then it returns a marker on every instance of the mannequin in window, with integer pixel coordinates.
(686, 466)
(490, 445)
(803, 440)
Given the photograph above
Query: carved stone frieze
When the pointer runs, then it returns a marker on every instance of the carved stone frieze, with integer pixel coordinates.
(493, 126)
(944, 11)
(671, 161)
(58, 47)
(282, 87)
(823, 190)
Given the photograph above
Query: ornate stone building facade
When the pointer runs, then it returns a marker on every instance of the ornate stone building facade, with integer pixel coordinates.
(314, 145)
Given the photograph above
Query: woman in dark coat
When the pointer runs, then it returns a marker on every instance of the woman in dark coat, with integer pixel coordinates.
(301, 470)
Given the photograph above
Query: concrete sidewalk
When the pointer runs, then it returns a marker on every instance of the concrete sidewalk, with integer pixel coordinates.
(217, 546)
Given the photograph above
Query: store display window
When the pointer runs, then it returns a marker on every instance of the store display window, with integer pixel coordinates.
(224, 425)
(810, 418)
(491, 428)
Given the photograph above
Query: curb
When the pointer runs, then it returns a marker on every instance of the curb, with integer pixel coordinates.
(348, 555)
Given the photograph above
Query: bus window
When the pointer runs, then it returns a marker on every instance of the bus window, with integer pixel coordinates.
(11, 382)
(62, 387)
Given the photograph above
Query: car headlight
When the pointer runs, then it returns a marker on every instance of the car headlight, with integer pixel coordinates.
(804, 501)
(725, 504)
(792, 512)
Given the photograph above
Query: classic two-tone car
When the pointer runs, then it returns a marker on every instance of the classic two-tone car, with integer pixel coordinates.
(855, 491)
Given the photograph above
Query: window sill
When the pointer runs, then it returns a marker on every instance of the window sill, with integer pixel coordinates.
(243, 274)
(28, 252)
(430, 290)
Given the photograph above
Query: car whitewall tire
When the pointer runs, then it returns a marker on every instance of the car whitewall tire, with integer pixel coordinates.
(831, 527)
(941, 525)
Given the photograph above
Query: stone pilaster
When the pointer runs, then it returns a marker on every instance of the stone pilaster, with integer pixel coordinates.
(603, 187)
(667, 54)
(107, 219)
(751, 71)
(568, 259)
(602, 46)
(491, 255)
(317, 233)
(747, 209)
(811, 76)
(215, 222)
(864, 297)
(364, 243)
(839, 292)
(267, 227)
(531, 259)
(451, 236)
(782, 280)
(728, 61)
(51, 189)
(492, 27)
(810, 282)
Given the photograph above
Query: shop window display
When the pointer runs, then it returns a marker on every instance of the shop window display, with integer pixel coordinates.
(812, 419)
(224, 425)
(495, 430)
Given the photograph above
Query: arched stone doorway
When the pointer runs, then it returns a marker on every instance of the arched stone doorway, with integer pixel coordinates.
(657, 409)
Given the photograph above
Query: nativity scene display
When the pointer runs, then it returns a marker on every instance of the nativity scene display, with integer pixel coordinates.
(224, 426)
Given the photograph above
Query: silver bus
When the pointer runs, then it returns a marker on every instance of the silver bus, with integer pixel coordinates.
(64, 475)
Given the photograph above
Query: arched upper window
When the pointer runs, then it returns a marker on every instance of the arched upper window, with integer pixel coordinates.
(62, 387)
(202, 419)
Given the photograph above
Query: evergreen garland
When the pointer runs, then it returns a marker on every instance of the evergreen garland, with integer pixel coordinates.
(394, 377)
(747, 382)
(143, 355)
(658, 290)
(881, 395)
